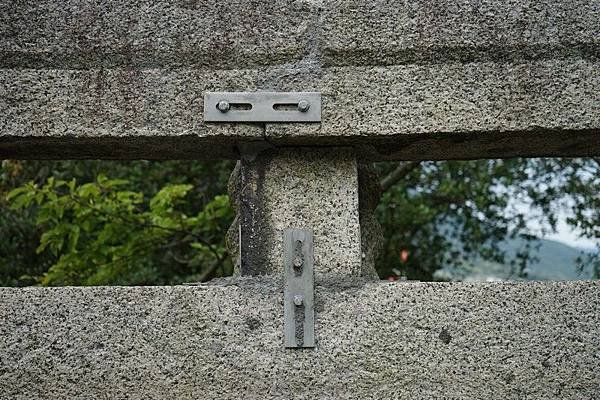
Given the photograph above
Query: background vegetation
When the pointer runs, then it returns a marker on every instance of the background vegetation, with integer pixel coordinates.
(149, 223)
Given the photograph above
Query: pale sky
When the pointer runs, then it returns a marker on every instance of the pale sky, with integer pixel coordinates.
(564, 232)
(566, 235)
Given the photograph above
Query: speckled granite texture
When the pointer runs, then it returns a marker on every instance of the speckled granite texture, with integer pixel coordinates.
(400, 80)
(305, 188)
(376, 340)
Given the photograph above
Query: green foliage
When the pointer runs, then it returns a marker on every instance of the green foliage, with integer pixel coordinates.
(148, 223)
(447, 213)
(103, 232)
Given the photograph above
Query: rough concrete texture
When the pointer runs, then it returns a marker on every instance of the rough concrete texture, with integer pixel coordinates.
(302, 188)
(121, 107)
(509, 78)
(378, 103)
(75, 34)
(371, 233)
(374, 341)
(445, 31)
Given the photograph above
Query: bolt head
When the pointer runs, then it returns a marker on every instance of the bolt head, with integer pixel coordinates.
(298, 300)
(223, 106)
(297, 262)
(303, 106)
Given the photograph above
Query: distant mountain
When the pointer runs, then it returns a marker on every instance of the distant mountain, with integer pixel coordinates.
(555, 261)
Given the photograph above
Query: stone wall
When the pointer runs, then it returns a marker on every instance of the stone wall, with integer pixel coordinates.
(412, 80)
(375, 340)
(400, 80)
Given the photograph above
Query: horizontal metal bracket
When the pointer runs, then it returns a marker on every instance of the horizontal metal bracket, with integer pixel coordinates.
(299, 303)
(262, 107)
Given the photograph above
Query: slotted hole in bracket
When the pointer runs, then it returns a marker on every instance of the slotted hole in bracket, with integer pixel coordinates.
(298, 261)
(285, 106)
(299, 315)
(238, 106)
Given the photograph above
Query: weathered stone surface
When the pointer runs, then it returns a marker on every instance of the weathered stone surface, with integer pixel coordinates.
(383, 106)
(389, 32)
(400, 112)
(304, 188)
(401, 80)
(374, 341)
(371, 233)
(74, 34)
(116, 113)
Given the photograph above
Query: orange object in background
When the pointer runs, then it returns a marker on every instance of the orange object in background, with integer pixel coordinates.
(404, 256)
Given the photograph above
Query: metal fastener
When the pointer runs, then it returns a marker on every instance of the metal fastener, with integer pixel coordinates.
(297, 262)
(298, 292)
(303, 106)
(298, 300)
(262, 107)
(223, 106)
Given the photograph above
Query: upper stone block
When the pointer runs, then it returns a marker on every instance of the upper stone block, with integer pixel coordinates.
(237, 34)
(386, 32)
(75, 34)
(409, 79)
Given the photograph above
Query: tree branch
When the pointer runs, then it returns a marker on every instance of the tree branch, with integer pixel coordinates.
(402, 170)
(212, 268)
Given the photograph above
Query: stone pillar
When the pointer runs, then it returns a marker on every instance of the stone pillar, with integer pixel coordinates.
(307, 188)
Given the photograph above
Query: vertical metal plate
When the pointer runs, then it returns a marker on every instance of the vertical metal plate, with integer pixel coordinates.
(262, 107)
(299, 304)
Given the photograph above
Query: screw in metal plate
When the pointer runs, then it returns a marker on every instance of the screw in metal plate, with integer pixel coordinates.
(303, 106)
(298, 300)
(298, 262)
(223, 106)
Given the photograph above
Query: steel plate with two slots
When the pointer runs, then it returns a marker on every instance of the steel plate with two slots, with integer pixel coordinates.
(262, 107)
(298, 297)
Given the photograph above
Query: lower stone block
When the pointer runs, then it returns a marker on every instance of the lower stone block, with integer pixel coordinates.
(374, 340)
